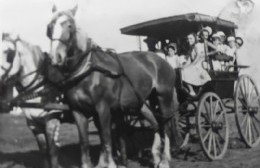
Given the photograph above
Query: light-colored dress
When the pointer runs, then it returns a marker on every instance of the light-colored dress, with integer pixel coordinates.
(194, 73)
(221, 65)
(176, 61)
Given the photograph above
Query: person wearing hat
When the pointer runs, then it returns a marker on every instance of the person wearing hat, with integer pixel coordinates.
(194, 74)
(222, 36)
(217, 42)
(172, 58)
(204, 33)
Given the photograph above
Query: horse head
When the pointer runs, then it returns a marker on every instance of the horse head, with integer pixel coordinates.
(10, 59)
(62, 32)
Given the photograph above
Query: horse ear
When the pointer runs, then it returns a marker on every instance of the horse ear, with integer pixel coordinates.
(74, 10)
(54, 8)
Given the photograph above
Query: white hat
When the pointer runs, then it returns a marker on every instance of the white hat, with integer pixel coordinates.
(231, 38)
(208, 29)
(216, 35)
(221, 33)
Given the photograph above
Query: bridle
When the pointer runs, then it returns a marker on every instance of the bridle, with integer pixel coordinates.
(15, 79)
(69, 42)
(10, 58)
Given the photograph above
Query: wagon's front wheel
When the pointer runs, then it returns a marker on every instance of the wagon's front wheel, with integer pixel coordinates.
(212, 126)
(247, 110)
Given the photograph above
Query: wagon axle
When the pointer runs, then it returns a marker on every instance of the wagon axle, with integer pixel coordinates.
(216, 126)
(252, 110)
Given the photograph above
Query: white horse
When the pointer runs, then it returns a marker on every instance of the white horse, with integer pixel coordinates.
(22, 60)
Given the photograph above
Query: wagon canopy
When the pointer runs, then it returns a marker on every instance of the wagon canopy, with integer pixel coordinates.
(178, 25)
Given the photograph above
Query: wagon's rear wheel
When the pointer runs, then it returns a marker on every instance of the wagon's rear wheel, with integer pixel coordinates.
(212, 126)
(247, 110)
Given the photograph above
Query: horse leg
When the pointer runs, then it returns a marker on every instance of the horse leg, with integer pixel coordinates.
(42, 144)
(52, 131)
(104, 116)
(120, 131)
(83, 124)
(101, 161)
(148, 115)
(167, 109)
(156, 149)
(39, 134)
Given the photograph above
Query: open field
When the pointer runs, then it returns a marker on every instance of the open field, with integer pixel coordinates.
(18, 149)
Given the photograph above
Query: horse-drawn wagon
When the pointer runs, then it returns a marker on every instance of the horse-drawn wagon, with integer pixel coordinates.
(102, 82)
(227, 92)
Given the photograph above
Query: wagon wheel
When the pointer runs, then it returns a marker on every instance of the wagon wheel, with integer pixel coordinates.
(212, 126)
(134, 121)
(247, 112)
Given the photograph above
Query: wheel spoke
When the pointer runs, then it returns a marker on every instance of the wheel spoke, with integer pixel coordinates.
(244, 119)
(242, 102)
(214, 145)
(256, 119)
(207, 135)
(207, 110)
(218, 144)
(222, 112)
(255, 127)
(211, 108)
(205, 126)
(215, 108)
(220, 137)
(244, 84)
(205, 116)
(210, 142)
(241, 91)
(249, 130)
(250, 93)
(246, 131)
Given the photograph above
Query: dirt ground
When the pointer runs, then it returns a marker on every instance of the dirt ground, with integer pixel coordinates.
(18, 149)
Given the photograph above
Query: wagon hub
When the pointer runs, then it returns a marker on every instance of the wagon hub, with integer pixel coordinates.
(252, 110)
(216, 125)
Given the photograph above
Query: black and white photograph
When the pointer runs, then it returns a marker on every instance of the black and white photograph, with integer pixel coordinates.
(130, 84)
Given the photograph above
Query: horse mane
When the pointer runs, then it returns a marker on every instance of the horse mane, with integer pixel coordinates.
(35, 50)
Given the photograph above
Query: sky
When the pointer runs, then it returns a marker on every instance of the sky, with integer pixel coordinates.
(102, 20)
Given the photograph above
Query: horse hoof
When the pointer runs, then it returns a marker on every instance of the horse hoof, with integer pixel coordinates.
(163, 164)
(86, 166)
(121, 166)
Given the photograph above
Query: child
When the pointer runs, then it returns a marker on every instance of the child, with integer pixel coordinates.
(172, 58)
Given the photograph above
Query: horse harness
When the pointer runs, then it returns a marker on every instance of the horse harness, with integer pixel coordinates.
(86, 59)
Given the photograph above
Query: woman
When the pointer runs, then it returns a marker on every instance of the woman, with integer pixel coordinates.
(192, 40)
(216, 38)
(194, 74)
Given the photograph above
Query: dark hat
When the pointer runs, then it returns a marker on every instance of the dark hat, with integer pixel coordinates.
(172, 45)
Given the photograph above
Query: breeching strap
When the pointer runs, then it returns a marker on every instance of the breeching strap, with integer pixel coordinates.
(139, 96)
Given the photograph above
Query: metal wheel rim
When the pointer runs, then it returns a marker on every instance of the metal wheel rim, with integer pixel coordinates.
(247, 120)
(214, 144)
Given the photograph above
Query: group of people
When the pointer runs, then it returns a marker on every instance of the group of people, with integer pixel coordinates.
(203, 46)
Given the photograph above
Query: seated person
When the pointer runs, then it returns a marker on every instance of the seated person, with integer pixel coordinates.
(234, 44)
(192, 41)
(151, 43)
(194, 74)
(221, 56)
(232, 48)
(172, 58)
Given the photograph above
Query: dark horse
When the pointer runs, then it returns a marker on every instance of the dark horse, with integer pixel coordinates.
(106, 85)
